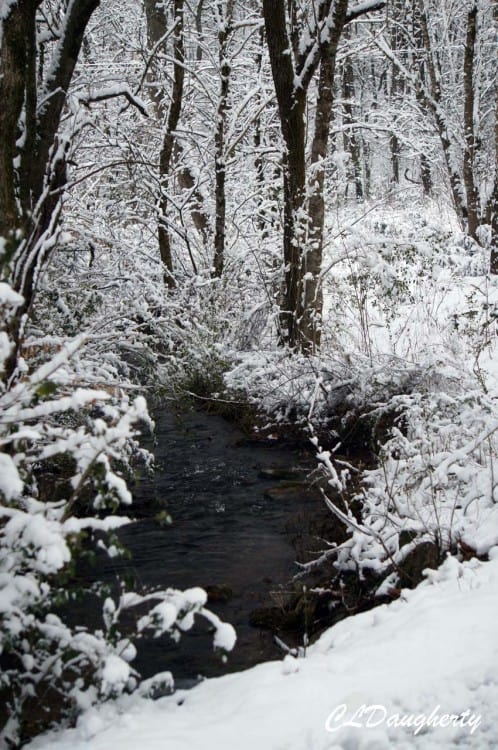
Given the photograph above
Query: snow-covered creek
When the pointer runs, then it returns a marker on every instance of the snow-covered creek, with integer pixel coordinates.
(225, 533)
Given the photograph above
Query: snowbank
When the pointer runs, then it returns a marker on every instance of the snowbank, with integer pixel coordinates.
(431, 656)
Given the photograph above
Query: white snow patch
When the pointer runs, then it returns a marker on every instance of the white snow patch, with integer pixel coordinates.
(434, 651)
(10, 482)
(8, 296)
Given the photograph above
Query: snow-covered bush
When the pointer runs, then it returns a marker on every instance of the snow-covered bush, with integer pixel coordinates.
(390, 276)
(436, 482)
(49, 669)
(341, 394)
(206, 322)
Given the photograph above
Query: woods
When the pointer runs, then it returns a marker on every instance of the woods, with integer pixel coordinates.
(286, 208)
(301, 47)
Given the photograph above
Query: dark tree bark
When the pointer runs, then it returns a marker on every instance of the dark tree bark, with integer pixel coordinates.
(17, 41)
(157, 30)
(395, 88)
(32, 161)
(492, 208)
(425, 174)
(258, 162)
(198, 28)
(291, 101)
(171, 151)
(468, 116)
(224, 32)
(166, 156)
(294, 63)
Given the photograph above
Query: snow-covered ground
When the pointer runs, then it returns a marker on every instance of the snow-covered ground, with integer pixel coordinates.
(428, 660)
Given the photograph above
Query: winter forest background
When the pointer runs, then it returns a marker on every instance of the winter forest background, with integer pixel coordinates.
(288, 209)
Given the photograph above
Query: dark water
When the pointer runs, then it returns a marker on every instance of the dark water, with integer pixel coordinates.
(224, 532)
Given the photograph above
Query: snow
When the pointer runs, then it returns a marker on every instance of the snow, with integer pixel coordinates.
(363, 8)
(10, 482)
(5, 348)
(115, 674)
(8, 297)
(421, 672)
(225, 637)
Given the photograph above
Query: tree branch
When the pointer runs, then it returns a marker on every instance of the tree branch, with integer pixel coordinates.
(361, 10)
(54, 97)
(111, 93)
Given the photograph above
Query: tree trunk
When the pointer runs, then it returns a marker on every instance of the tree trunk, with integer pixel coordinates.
(492, 208)
(493, 268)
(310, 325)
(225, 28)
(32, 161)
(291, 105)
(295, 55)
(469, 134)
(14, 51)
(156, 30)
(394, 91)
(262, 219)
(425, 174)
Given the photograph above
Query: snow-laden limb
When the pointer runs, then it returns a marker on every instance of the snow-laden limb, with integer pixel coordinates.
(44, 416)
(110, 92)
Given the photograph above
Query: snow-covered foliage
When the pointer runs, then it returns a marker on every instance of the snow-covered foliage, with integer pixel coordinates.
(408, 337)
(407, 367)
(435, 482)
(399, 281)
(50, 417)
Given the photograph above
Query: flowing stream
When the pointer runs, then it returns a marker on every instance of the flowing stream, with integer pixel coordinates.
(226, 533)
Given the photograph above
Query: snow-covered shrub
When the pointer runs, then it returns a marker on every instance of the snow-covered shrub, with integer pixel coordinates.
(181, 338)
(344, 395)
(388, 277)
(280, 384)
(50, 669)
(436, 482)
(475, 322)
(410, 293)
(208, 321)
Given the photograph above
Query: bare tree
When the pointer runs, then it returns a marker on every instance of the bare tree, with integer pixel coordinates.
(300, 44)
(157, 33)
(224, 18)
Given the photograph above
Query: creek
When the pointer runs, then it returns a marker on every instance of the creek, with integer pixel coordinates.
(226, 535)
